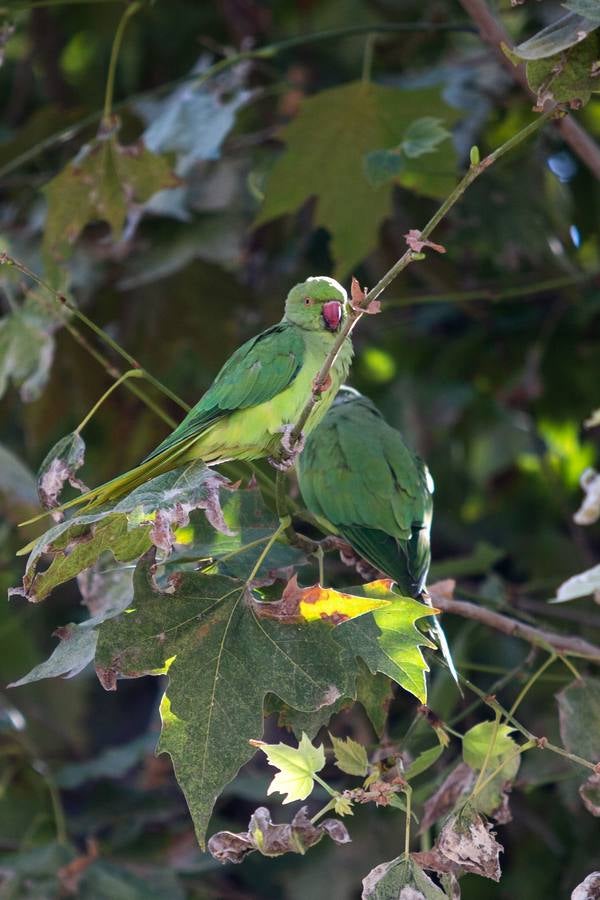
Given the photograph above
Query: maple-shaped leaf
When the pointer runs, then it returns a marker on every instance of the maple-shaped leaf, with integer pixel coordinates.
(297, 766)
(388, 639)
(350, 756)
(101, 183)
(326, 147)
(222, 661)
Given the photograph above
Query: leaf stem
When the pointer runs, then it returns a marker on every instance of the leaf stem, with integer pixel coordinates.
(129, 11)
(284, 523)
(530, 682)
(131, 373)
(324, 784)
(408, 793)
(329, 805)
(488, 754)
(528, 745)
(368, 58)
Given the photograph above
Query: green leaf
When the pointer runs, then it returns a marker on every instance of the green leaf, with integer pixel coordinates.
(77, 645)
(326, 146)
(222, 660)
(423, 761)
(297, 766)
(388, 640)
(147, 516)
(570, 78)
(579, 716)
(113, 762)
(101, 183)
(557, 37)
(590, 9)
(476, 743)
(400, 878)
(350, 756)
(382, 166)
(374, 693)
(298, 720)
(423, 136)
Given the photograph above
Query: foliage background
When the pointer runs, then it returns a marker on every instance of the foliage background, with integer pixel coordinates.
(486, 358)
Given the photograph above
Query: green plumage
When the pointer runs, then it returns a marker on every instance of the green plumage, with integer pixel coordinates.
(357, 473)
(259, 392)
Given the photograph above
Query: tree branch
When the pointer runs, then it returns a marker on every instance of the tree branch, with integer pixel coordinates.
(441, 596)
(493, 33)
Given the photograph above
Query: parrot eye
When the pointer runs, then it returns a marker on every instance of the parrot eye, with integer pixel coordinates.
(308, 301)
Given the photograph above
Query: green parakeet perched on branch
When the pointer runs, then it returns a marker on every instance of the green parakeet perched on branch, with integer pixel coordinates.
(250, 409)
(357, 473)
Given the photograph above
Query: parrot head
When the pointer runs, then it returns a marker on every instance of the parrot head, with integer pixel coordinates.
(318, 304)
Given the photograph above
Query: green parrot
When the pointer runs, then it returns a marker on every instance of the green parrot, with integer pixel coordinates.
(356, 473)
(250, 409)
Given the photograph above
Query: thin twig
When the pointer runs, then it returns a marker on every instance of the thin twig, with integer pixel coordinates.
(493, 33)
(562, 643)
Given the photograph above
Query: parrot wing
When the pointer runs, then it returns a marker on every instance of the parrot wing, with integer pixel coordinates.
(258, 370)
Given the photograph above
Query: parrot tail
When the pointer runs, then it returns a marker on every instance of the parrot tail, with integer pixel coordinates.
(123, 484)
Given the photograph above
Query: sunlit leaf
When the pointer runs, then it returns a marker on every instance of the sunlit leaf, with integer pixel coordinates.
(297, 766)
(581, 585)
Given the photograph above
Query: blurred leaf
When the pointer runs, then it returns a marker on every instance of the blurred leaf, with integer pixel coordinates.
(101, 183)
(588, 889)
(26, 349)
(297, 766)
(400, 878)
(382, 166)
(570, 79)
(589, 511)
(215, 639)
(145, 517)
(587, 8)
(581, 585)
(350, 756)
(579, 717)
(59, 466)
(589, 792)
(114, 762)
(17, 484)
(106, 881)
(388, 639)
(560, 35)
(423, 136)
(326, 147)
(481, 560)
(274, 840)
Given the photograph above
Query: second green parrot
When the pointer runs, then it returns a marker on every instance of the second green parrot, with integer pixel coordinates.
(356, 473)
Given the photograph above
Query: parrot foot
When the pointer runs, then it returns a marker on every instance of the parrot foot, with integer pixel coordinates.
(288, 455)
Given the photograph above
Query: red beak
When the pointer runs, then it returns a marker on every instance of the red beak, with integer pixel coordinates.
(332, 314)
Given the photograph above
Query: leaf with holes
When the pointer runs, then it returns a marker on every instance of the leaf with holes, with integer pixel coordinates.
(147, 516)
(569, 78)
(222, 660)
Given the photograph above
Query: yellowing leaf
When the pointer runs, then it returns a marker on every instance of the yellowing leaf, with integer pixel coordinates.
(350, 756)
(100, 184)
(297, 766)
(314, 603)
(327, 603)
(325, 157)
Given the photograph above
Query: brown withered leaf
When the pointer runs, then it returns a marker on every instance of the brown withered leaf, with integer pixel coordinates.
(460, 780)
(274, 840)
(468, 841)
(59, 466)
(70, 875)
(589, 792)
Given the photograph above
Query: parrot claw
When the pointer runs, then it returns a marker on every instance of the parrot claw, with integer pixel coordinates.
(289, 454)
